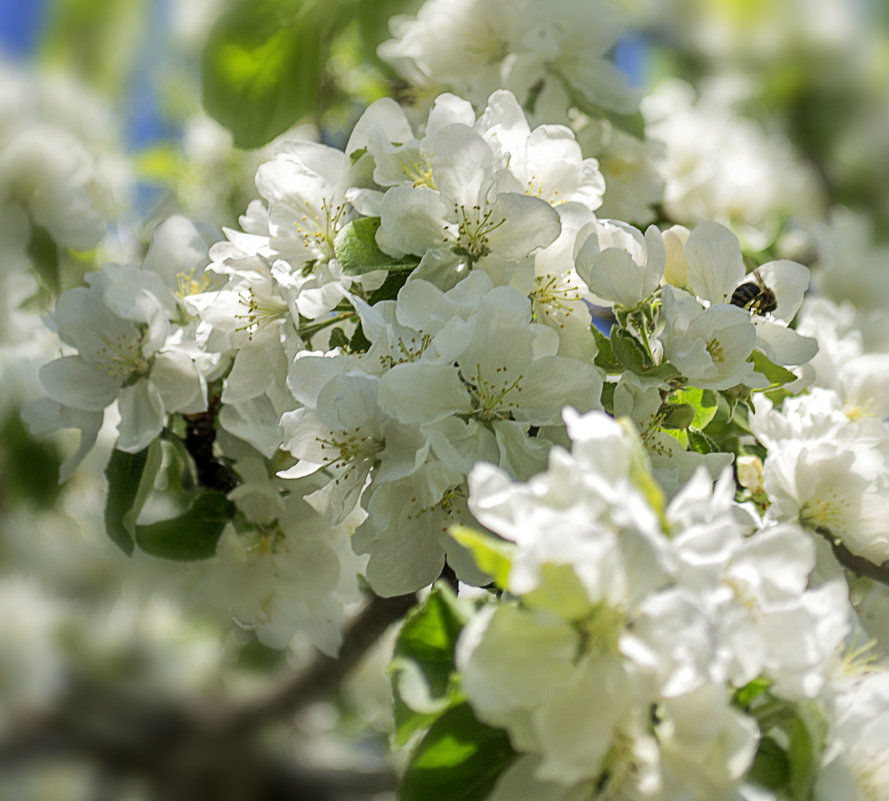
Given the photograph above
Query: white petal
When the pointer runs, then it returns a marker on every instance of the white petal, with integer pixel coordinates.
(73, 382)
(715, 264)
(141, 416)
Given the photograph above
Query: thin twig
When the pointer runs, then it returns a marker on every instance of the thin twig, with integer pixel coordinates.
(854, 563)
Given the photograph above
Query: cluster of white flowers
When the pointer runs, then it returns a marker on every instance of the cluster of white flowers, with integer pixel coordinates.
(543, 54)
(718, 165)
(634, 625)
(449, 273)
(397, 345)
(60, 167)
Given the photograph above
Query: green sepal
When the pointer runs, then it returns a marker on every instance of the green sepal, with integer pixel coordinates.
(607, 398)
(630, 354)
(770, 768)
(700, 442)
(677, 415)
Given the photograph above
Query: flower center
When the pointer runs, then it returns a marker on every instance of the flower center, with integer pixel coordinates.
(261, 311)
(535, 189)
(600, 631)
(714, 348)
(551, 296)
(187, 284)
(122, 357)
(489, 398)
(348, 449)
(473, 227)
(319, 228)
(824, 512)
(420, 172)
(406, 350)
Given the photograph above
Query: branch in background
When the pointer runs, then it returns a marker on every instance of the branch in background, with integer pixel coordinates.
(185, 752)
(323, 676)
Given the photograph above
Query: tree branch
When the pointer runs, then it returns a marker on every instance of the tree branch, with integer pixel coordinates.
(325, 673)
(854, 563)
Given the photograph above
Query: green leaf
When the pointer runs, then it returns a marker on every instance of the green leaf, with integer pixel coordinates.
(608, 388)
(770, 768)
(605, 357)
(129, 478)
(627, 351)
(390, 288)
(492, 555)
(190, 536)
(775, 373)
(700, 442)
(261, 66)
(338, 339)
(29, 467)
(807, 740)
(44, 255)
(423, 661)
(745, 695)
(630, 355)
(704, 402)
(357, 250)
(459, 759)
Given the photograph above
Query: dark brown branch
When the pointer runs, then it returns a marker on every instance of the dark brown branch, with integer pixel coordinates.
(856, 564)
(323, 676)
(205, 753)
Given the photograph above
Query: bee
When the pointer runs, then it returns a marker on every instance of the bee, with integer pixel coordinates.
(755, 296)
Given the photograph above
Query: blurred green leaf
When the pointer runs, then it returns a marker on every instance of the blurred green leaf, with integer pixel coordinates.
(129, 478)
(605, 356)
(678, 415)
(423, 661)
(30, 467)
(807, 740)
(97, 41)
(770, 768)
(44, 255)
(262, 64)
(459, 759)
(190, 536)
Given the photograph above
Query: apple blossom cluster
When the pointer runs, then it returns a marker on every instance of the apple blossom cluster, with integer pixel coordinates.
(650, 649)
(526, 336)
(718, 165)
(60, 167)
(389, 316)
(548, 56)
